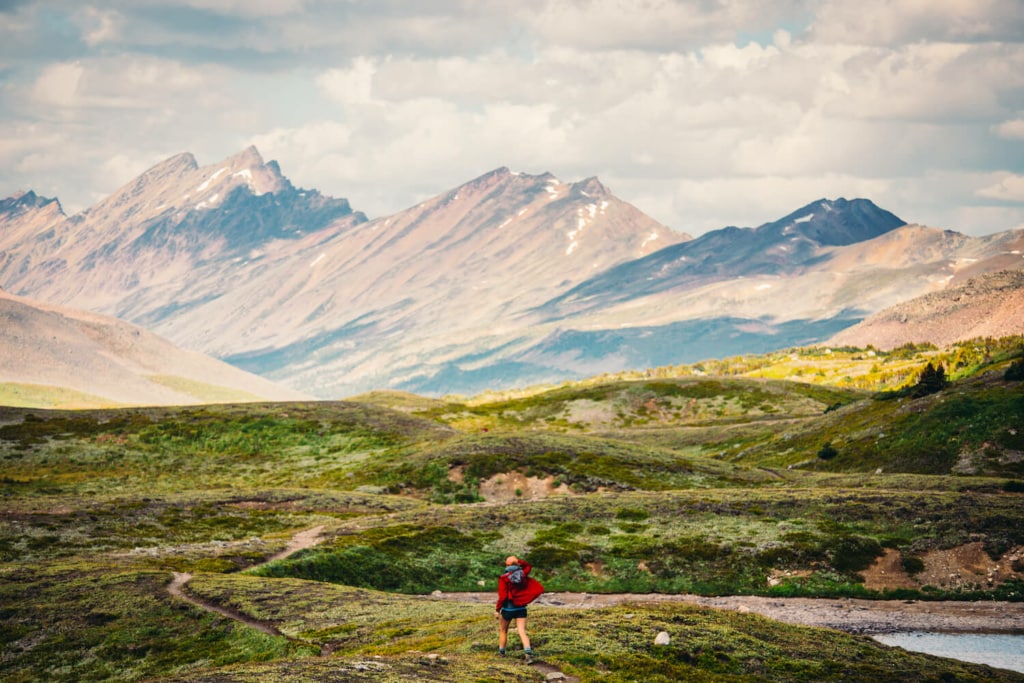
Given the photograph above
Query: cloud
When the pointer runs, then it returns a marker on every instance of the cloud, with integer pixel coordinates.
(136, 82)
(386, 102)
(651, 25)
(1010, 189)
(249, 8)
(100, 26)
(883, 22)
(1012, 129)
(58, 85)
(349, 86)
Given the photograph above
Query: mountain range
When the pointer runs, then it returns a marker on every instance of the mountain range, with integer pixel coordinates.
(506, 280)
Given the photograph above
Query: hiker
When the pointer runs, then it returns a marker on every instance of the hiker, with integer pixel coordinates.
(516, 589)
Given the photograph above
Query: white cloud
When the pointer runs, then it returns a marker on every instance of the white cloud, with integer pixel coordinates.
(1012, 129)
(909, 102)
(100, 26)
(57, 85)
(1010, 188)
(654, 25)
(885, 22)
(125, 83)
(249, 8)
(349, 86)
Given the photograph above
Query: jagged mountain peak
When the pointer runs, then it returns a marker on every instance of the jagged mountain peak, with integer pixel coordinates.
(591, 187)
(483, 183)
(503, 174)
(22, 202)
(162, 226)
(250, 156)
(183, 161)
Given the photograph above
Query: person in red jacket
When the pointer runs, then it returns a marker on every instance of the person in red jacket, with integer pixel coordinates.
(514, 593)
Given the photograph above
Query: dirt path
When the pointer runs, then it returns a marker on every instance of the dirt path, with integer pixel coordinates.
(548, 669)
(301, 541)
(176, 588)
(852, 616)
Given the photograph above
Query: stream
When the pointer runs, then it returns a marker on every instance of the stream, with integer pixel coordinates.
(1000, 650)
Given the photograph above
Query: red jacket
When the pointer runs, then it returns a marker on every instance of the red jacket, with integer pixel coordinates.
(521, 595)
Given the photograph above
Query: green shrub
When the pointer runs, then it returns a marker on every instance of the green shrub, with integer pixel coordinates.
(913, 565)
(1015, 373)
(827, 452)
(551, 557)
(849, 553)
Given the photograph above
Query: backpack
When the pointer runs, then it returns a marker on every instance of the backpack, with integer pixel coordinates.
(516, 576)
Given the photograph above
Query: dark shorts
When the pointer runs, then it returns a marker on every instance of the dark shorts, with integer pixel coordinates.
(511, 613)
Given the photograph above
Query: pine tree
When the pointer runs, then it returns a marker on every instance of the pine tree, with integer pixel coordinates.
(932, 380)
(1015, 373)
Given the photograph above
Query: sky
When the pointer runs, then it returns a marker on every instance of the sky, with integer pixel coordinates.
(702, 113)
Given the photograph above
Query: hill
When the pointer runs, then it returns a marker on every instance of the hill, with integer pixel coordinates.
(990, 305)
(59, 357)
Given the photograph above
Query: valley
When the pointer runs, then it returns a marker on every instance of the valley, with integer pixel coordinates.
(313, 313)
(694, 504)
(728, 440)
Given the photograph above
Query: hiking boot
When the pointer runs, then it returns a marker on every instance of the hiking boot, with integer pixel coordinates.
(529, 656)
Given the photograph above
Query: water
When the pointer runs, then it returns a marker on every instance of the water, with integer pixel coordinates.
(1003, 651)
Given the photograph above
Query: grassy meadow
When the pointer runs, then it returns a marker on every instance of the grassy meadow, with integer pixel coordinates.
(706, 480)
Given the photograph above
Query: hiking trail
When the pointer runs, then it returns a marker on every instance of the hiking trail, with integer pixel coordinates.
(302, 540)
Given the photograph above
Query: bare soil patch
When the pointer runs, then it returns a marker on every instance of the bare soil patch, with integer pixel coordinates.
(967, 566)
(509, 486)
(887, 573)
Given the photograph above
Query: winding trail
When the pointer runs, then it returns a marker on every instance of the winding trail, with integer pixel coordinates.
(176, 588)
(302, 540)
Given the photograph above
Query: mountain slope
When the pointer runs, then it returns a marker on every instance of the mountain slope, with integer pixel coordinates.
(780, 247)
(115, 363)
(450, 275)
(990, 305)
(312, 294)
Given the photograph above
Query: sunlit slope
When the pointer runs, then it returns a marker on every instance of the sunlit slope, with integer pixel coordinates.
(974, 426)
